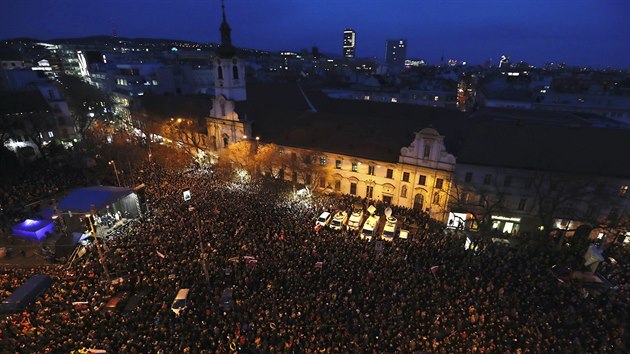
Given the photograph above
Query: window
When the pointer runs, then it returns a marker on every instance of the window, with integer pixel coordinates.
(220, 72)
(422, 180)
(528, 183)
(371, 170)
(235, 72)
(436, 198)
(337, 164)
(468, 177)
(50, 134)
(487, 179)
(355, 167)
(623, 191)
(322, 160)
(522, 203)
(405, 176)
(427, 151)
(464, 197)
(403, 192)
(369, 191)
(439, 183)
(337, 185)
(390, 173)
(507, 181)
(353, 188)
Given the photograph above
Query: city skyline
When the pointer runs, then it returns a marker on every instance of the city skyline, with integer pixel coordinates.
(581, 33)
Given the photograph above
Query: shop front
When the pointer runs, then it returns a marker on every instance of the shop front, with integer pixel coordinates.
(506, 224)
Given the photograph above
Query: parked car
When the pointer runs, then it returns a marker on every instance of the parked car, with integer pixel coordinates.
(180, 301)
(339, 220)
(370, 227)
(389, 231)
(323, 220)
(356, 219)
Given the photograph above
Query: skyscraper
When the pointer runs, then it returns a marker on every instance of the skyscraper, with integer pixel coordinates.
(349, 42)
(395, 53)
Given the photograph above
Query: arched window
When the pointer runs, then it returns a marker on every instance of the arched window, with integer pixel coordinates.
(427, 151)
(220, 72)
(235, 72)
(226, 140)
(418, 202)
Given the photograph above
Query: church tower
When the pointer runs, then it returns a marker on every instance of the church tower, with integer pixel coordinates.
(229, 71)
(228, 123)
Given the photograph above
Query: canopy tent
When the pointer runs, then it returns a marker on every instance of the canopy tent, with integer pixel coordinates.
(32, 229)
(80, 200)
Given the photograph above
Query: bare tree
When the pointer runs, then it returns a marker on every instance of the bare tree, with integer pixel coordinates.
(86, 102)
(187, 131)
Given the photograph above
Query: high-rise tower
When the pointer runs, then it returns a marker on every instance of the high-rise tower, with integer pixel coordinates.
(349, 43)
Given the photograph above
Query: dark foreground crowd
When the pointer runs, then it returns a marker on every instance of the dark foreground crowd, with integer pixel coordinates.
(298, 291)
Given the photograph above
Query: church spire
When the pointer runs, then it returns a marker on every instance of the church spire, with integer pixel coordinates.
(226, 50)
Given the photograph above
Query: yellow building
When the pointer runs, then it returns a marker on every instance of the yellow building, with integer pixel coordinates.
(420, 179)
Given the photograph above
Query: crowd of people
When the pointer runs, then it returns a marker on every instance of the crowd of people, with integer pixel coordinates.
(296, 290)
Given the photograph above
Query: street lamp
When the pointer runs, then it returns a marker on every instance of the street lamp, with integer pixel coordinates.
(112, 163)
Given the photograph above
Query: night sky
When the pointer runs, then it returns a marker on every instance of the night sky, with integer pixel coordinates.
(579, 32)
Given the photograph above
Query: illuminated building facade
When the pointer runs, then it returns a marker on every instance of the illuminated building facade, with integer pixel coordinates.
(395, 53)
(349, 43)
(225, 125)
(419, 180)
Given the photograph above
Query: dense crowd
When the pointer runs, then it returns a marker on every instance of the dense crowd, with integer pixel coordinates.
(19, 198)
(300, 291)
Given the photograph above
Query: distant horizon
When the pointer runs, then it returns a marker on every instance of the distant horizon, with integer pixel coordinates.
(581, 33)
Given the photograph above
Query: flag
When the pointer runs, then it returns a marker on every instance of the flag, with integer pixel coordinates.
(319, 265)
(160, 254)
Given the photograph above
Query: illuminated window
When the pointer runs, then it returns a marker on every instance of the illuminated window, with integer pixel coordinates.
(422, 180)
(394, 99)
(623, 191)
(436, 98)
(355, 167)
(322, 160)
(371, 170)
(405, 177)
(367, 98)
(50, 134)
(390, 173)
